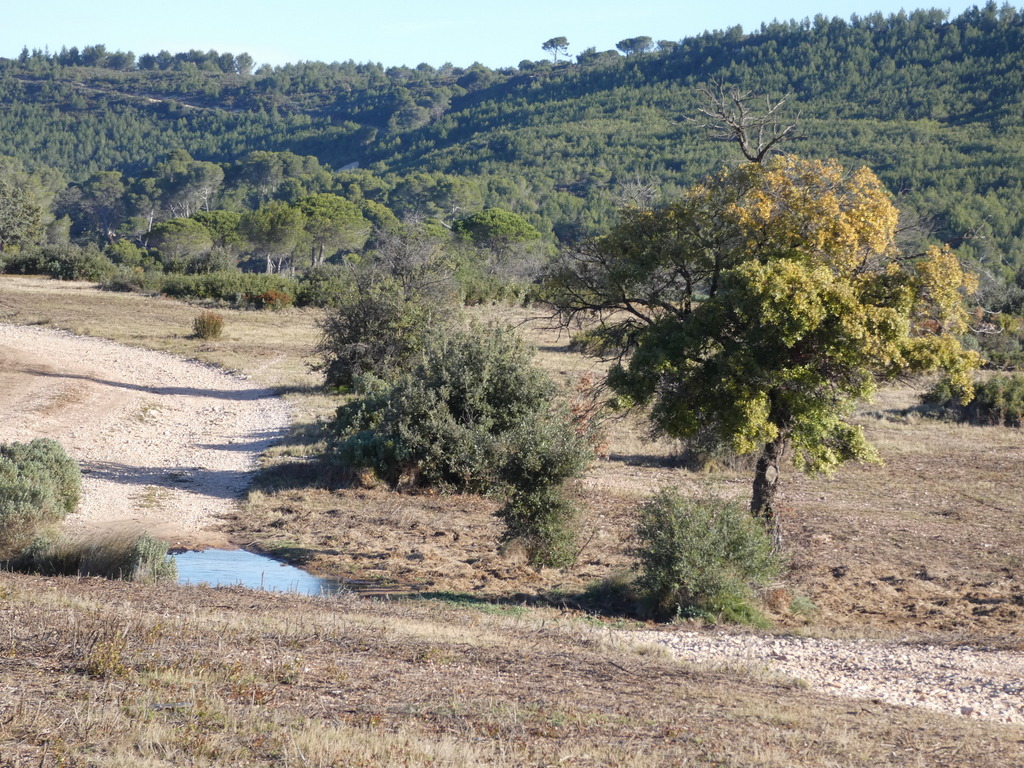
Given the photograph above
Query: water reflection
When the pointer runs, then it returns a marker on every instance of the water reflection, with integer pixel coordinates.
(236, 567)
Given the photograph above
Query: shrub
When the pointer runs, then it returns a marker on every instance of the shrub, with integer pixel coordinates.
(208, 325)
(39, 485)
(25, 506)
(998, 400)
(63, 261)
(474, 415)
(134, 280)
(325, 286)
(490, 276)
(47, 459)
(230, 286)
(378, 327)
(543, 522)
(999, 339)
(272, 299)
(702, 558)
(395, 298)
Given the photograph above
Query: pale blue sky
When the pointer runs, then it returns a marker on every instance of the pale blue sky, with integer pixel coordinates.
(394, 32)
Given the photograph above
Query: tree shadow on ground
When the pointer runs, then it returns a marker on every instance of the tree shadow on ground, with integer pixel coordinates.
(671, 461)
(610, 600)
(218, 484)
(253, 393)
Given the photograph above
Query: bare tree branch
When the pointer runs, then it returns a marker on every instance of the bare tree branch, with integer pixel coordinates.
(735, 115)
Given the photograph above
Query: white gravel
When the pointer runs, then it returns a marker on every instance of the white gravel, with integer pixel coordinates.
(961, 681)
(166, 444)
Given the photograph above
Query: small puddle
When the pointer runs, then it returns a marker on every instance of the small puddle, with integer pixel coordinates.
(236, 567)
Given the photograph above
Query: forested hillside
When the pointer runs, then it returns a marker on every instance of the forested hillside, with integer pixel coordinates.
(934, 105)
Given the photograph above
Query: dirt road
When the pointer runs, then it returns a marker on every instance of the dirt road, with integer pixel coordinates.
(166, 445)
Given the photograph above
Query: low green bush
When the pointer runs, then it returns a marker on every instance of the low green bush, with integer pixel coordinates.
(233, 287)
(25, 506)
(39, 485)
(129, 279)
(998, 400)
(543, 522)
(702, 558)
(378, 325)
(48, 459)
(325, 286)
(475, 415)
(64, 261)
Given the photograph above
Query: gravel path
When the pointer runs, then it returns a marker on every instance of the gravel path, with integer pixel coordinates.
(166, 444)
(961, 681)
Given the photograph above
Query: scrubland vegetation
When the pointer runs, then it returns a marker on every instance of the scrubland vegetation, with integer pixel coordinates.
(525, 420)
(924, 547)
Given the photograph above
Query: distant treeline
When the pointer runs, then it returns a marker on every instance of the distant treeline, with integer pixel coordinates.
(933, 104)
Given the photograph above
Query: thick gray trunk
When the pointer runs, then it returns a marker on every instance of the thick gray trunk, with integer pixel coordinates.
(766, 486)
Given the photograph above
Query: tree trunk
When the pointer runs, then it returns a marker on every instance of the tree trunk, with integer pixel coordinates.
(766, 485)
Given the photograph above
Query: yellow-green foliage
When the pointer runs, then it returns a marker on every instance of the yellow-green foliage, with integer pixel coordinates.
(764, 303)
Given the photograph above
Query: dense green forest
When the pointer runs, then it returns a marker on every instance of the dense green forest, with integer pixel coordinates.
(114, 143)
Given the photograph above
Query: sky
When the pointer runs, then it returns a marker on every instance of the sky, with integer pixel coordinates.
(396, 32)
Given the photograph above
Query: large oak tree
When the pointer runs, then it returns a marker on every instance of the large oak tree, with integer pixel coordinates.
(762, 306)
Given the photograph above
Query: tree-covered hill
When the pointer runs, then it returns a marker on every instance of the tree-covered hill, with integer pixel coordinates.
(934, 105)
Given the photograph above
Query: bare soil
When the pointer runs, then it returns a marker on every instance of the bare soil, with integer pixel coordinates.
(166, 445)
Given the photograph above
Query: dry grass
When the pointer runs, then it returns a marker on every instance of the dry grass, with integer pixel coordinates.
(931, 541)
(103, 675)
(272, 347)
(929, 545)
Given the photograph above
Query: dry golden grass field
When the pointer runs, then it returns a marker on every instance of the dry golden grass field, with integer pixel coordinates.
(504, 668)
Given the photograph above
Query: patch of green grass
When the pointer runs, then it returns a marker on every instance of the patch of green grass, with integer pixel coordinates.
(801, 605)
(483, 605)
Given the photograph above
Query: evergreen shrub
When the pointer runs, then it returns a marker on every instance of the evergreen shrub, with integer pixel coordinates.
(379, 327)
(134, 280)
(39, 485)
(233, 287)
(702, 558)
(63, 261)
(998, 400)
(474, 415)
